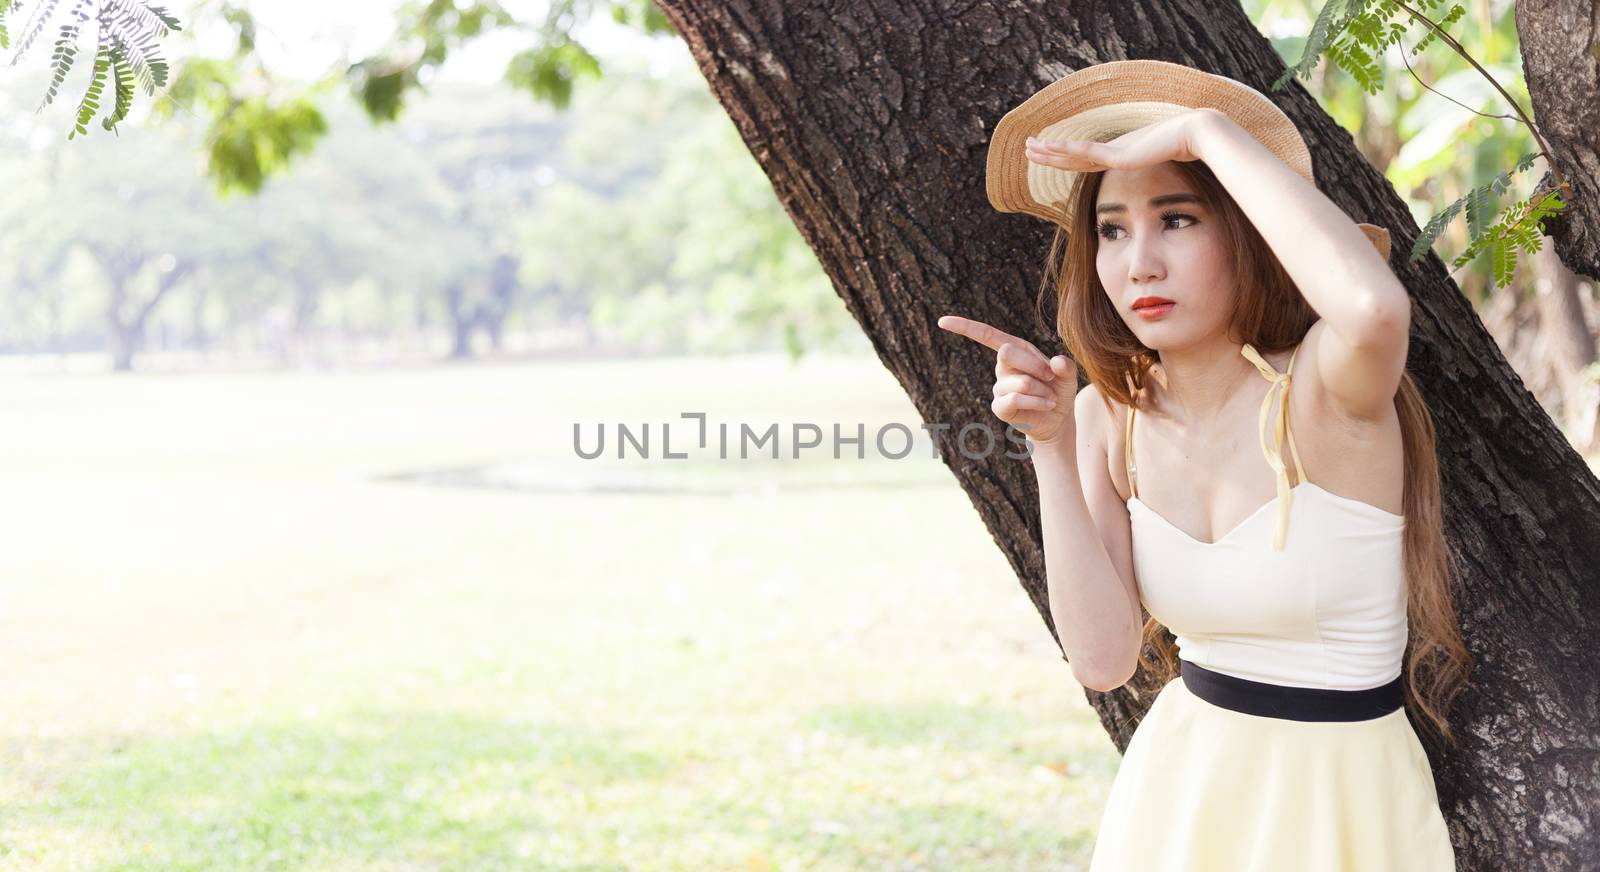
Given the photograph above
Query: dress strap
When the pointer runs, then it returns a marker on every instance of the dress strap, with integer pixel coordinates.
(1127, 455)
(1280, 432)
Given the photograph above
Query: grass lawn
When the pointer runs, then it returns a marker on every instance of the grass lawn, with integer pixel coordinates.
(389, 621)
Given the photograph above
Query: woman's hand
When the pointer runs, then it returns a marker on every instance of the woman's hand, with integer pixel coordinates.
(1176, 138)
(1031, 392)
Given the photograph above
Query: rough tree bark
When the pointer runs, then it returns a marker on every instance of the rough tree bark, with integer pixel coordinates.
(871, 120)
(1560, 42)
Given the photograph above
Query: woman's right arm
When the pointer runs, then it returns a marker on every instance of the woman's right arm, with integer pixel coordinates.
(1094, 600)
(1088, 551)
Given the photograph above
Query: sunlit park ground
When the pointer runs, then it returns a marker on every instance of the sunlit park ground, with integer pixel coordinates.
(387, 620)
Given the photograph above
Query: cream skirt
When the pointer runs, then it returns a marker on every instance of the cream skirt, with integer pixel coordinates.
(1207, 786)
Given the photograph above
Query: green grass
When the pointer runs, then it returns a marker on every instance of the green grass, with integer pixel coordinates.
(248, 625)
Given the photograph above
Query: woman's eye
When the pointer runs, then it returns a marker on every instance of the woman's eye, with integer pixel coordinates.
(1107, 227)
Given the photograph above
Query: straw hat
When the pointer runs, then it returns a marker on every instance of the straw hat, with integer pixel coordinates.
(1104, 101)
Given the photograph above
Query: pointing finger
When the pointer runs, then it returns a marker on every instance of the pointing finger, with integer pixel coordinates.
(977, 331)
(994, 338)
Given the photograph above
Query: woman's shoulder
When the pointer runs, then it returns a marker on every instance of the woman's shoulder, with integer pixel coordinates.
(1099, 420)
(1094, 408)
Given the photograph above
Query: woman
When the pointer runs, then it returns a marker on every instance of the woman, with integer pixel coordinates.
(1200, 275)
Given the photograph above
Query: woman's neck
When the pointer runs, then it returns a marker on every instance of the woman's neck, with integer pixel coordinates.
(1198, 381)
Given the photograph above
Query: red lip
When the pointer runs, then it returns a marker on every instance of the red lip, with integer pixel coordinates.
(1151, 301)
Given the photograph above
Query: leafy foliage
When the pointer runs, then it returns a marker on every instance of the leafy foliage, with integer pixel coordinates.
(256, 138)
(550, 71)
(1354, 36)
(90, 104)
(126, 52)
(1477, 203)
(427, 33)
(1520, 228)
(65, 52)
(251, 135)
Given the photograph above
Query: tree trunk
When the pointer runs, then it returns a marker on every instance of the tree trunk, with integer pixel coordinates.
(199, 337)
(462, 321)
(461, 338)
(125, 342)
(1512, 318)
(126, 317)
(503, 288)
(872, 118)
(1560, 42)
(124, 326)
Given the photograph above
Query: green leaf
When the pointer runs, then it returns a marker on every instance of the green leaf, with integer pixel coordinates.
(122, 89)
(90, 104)
(1480, 211)
(66, 50)
(1505, 262)
(550, 72)
(1433, 229)
(381, 85)
(257, 138)
(125, 50)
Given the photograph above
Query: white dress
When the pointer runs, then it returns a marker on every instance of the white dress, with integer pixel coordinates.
(1284, 744)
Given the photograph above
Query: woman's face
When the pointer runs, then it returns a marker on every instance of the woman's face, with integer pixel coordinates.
(1172, 249)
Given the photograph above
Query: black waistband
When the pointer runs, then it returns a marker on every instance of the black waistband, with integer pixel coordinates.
(1292, 703)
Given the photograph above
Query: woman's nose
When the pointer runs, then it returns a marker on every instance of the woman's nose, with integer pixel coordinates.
(1145, 262)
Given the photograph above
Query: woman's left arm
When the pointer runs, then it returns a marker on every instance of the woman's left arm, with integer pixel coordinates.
(1365, 310)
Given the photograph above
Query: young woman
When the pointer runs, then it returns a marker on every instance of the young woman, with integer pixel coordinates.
(1250, 464)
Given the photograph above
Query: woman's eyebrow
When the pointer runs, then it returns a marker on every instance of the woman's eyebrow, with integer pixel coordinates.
(1163, 200)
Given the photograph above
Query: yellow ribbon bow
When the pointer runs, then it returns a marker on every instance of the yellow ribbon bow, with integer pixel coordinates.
(1274, 452)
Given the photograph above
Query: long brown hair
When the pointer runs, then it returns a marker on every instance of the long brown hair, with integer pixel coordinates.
(1270, 314)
